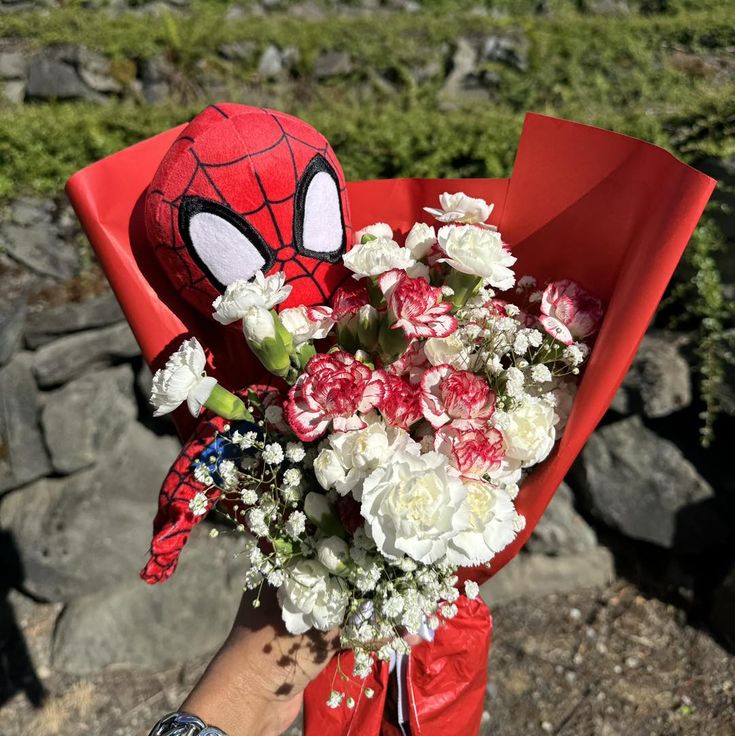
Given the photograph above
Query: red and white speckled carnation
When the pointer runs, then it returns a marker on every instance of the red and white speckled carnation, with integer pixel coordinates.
(568, 312)
(461, 397)
(401, 405)
(347, 301)
(473, 452)
(333, 388)
(416, 305)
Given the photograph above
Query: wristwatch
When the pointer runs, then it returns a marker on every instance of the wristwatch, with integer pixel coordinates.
(184, 724)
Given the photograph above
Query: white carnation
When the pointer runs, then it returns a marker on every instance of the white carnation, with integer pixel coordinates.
(529, 430)
(377, 256)
(461, 208)
(413, 506)
(564, 394)
(328, 469)
(182, 379)
(447, 350)
(490, 529)
(360, 451)
(420, 239)
(240, 295)
(478, 252)
(307, 323)
(312, 598)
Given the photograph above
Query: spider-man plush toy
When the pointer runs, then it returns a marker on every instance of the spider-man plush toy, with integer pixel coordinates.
(244, 190)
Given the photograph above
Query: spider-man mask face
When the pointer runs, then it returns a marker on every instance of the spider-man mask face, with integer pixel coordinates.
(243, 190)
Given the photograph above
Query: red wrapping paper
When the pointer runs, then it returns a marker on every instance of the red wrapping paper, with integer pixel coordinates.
(609, 211)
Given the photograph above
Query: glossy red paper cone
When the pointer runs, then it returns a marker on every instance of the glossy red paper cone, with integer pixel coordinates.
(608, 211)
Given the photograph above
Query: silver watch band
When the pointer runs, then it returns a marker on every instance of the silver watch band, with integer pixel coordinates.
(184, 724)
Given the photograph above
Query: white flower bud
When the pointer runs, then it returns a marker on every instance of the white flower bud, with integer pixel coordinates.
(316, 507)
(378, 230)
(258, 325)
(333, 553)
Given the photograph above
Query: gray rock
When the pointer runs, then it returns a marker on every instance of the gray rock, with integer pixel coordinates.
(51, 323)
(13, 65)
(333, 64)
(642, 486)
(464, 83)
(271, 64)
(510, 50)
(276, 63)
(29, 211)
(14, 91)
(154, 626)
(533, 575)
(90, 531)
(12, 319)
(23, 456)
(53, 75)
(65, 358)
(32, 239)
(659, 381)
(155, 78)
(239, 51)
(95, 71)
(101, 405)
(562, 530)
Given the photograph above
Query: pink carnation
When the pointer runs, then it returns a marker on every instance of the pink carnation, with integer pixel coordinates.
(416, 305)
(333, 388)
(448, 394)
(473, 452)
(568, 312)
(401, 405)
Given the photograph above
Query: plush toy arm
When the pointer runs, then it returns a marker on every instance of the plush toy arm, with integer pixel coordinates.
(174, 521)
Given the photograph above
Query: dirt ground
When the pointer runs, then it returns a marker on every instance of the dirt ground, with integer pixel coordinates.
(593, 663)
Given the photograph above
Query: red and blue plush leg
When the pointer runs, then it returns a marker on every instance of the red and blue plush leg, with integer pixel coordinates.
(174, 521)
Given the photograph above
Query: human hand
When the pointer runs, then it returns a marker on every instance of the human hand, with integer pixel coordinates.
(254, 685)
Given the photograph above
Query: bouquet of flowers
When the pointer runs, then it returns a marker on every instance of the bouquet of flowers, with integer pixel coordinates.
(388, 450)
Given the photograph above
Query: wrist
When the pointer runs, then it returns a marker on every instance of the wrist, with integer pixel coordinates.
(239, 692)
